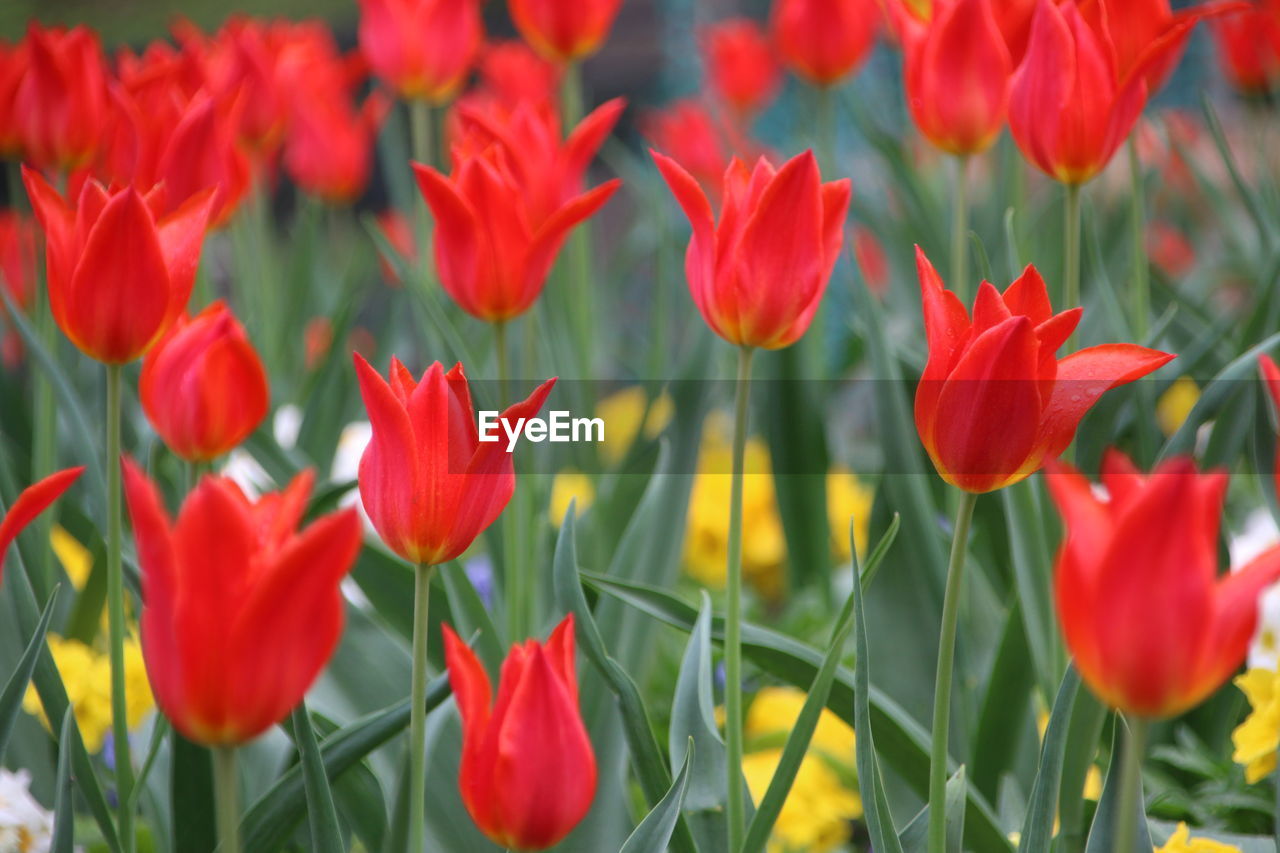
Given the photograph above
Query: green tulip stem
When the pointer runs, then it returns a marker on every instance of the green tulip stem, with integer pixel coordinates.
(1131, 807)
(1071, 257)
(1141, 293)
(227, 798)
(960, 231)
(418, 711)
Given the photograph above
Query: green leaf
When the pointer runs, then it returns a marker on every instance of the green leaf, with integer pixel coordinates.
(271, 819)
(1250, 200)
(884, 837)
(470, 617)
(16, 688)
(322, 815)
(1037, 829)
(195, 825)
(647, 758)
(915, 836)
(654, 832)
(1103, 832)
(1087, 718)
(693, 719)
(64, 824)
(904, 744)
(806, 723)
(1032, 571)
(1005, 706)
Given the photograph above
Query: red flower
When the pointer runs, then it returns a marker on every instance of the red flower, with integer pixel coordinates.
(758, 276)
(1169, 248)
(958, 73)
(13, 68)
(241, 610)
(117, 275)
(528, 772)
(871, 260)
(1249, 47)
(564, 30)
(423, 49)
(429, 484)
(17, 257)
(395, 226)
(1070, 107)
(741, 65)
(1151, 627)
(907, 18)
(60, 107)
(824, 40)
(995, 402)
(203, 386)
(1148, 37)
(514, 196)
(514, 74)
(1271, 380)
(34, 500)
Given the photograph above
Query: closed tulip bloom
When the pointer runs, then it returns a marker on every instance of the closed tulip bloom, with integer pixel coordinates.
(689, 132)
(428, 483)
(33, 500)
(13, 68)
(908, 19)
(1151, 626)
(564, 30)
(742, 68)
(117, 275)
(513, 198)
(528, 772)
(60, 107)
(203, 387)
(995, 402)
(758, 275)
(329, 148)
(958, 73)
(1070, 108)
(241, 609)
(424, 49)
(824, 40)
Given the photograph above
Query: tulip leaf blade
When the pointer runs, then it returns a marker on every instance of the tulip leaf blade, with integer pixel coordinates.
(884, 837)
(1003, 717)
(270, 820)
(1103, 831)
(806, 723)
(1037, 828)
(914, 835)
(1032, 564)
(16, 688)
(655, 830)
(64, 824)
(647, 758)
(693, 719)
(322, 814)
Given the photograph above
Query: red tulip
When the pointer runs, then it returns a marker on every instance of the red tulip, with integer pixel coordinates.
(515, 74)
(1151, 627)
(1169, 249)
(429, 484)
(564, 30)
(203, 387)
(741, 65)
(908, 18)
(1271, 380)
(117, 275)
(514, 196)
(824, 40)
(423, 49)
(398, 231)
(17, 257)
(241, 610)
(758, 276)
(958, 73)
(34, 500)
(13, 68)
(871, 259)
(1070, 108)
(1148, 37)
(1249, 47)
(694, 138)
(528, 772)
(329, 149)
(60, 107)
(995, 402)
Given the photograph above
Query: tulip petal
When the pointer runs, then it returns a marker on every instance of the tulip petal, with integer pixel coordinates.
(585, 140)
(457, 242)
(33, 500)
(700, 261)
(1083, 377)
(1234, 621)
(1088, 530)
(992, 391)
(551, 236)
(181, 240)
(389, 467)
(1029, 296)
(1042, 86)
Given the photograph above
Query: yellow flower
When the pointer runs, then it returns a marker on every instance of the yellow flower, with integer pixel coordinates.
(567, 486)
(815, 818)
(622, 412)
(848, 498)
(75, 558)
(764, 547)
(86, 674)
(775, 711)
(1258, 736)
(1175, 404)
(1181, 842)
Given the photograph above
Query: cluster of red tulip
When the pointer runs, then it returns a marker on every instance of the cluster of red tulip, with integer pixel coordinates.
(130, 161)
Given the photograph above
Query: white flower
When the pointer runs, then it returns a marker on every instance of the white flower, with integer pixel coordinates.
(25, 826)
(1259, 534)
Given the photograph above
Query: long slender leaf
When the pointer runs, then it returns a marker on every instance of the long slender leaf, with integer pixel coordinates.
(654, 831)
(1102, 833)
(16, 688)
(1037, 829)
(322, 815)
(64, 824)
